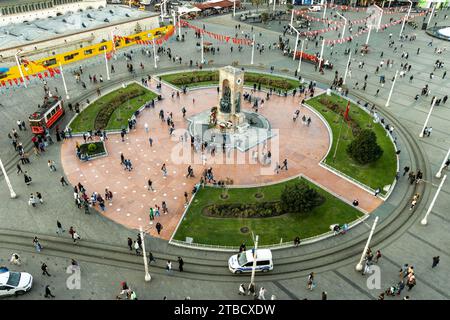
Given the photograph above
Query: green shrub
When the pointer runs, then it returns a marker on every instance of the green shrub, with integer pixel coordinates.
(92, 147)
(364, 148)
(299, 197)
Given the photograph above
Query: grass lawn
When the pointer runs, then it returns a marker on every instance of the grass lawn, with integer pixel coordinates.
(226, 231)
(171, 78)
(375, 175)
(119, 118)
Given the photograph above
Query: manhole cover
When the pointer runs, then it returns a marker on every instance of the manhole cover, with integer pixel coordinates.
(245, 229)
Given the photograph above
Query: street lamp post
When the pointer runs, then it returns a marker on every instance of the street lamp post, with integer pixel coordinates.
(203, 60)
(381, 16)
(64, 81)
(406, 18)
(147, 276)
(439, 173)
(20, 68)
(274, 3)
(295, 48)
(428, 118)
(253, 49)
(292, 17)
(348, 66)
(301, 56)
(179, 25)
(359, 266)
(154, 52)
(321, 54)
(431, 15)
(234, 8)
(392, 89)
(107, 69)
(8, 183)
(368, 35)
(252, 278)
(424, 221)
(345, 23)
(324, 10)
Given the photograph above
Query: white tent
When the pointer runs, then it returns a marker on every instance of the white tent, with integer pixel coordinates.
(188, 9)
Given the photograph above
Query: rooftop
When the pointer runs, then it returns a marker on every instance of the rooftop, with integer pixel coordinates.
(41, 29)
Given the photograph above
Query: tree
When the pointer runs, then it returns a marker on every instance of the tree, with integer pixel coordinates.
(138, 28)
(264, 17)
(364, 148)
(299, 197)
(257, 3)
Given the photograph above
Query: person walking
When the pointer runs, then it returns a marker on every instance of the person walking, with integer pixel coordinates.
(151, 258)
(377, 256)
(180, 264)
(19, 169)
(130, 243)
(261, 295)
(48, 293)
(44, 269)
(37, 244)
(159, 227)
(168, 266)
(310, 283)
(76, 237)
(15, 259)
(150, 185)
(242, 289)
(137, 248)
(435, 261)
(324, 295)
(285, 162)
(59, 230)
(164, 170)
(63, 181)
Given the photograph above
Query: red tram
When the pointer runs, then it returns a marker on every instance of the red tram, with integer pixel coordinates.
(46, 116)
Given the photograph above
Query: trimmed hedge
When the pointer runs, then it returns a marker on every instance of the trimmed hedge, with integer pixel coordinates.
(240, 210)
(106, 111)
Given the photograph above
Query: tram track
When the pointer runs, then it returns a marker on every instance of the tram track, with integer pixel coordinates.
(287, 266)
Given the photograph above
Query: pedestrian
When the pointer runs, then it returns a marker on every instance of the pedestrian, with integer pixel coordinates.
(19, 169)
(27, 178)
(150, 140)
(164, 170)
(405, 170)
(15, 259)
(159, 228)
(180, 264)
(137, 248)
(435, 261)
(151, 258)
(36, 244)
(242, 289)
(48, 292)
(261, 294)
(130, 243)
(63, 181)
(284, 164)
(168, 266)
(44, 269)
(310, 283)
(59, 230)
(76, 237)
(324, 295)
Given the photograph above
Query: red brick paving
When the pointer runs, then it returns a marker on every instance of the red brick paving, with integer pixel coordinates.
(303, 146)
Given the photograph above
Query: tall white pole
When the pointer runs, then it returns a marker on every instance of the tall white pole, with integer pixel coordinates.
(431, 15)
(428, 118)
(8, 183)
(253, 49)
(179, 25)
(107, 69)
(321, 53)
(147, 276)
(381, 16)
(392, 89)
(252, 278)
(439, 173)
(274, 3)
(295, 48)
(64, 81)
(406, 18)
(203, 60)
(154, 52)
(301, 56)
(348, 65)
(368, 35)
(20, 68)
(162, 14)
(234, 8)
(174, 15)
(425, 219)
(292, 17)
(359, 266)
(345, 23)
(324, 10)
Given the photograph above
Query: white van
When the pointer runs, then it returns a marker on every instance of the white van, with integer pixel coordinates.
(243, 262)
(315, 8)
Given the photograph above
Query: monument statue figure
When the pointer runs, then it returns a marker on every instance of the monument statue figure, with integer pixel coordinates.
(237, 103)
(225, 101)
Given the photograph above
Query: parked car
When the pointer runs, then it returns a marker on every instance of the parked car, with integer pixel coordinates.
(243, 262)
(14, 283)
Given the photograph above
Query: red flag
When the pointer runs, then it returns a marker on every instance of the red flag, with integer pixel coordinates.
(347, 111)
(15, 80)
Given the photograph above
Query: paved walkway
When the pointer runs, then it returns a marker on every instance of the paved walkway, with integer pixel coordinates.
(303, 146)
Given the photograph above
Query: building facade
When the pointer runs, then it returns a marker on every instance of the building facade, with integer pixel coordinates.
(17, 11)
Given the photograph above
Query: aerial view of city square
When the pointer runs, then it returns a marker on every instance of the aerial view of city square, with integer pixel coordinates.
(245, 152)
